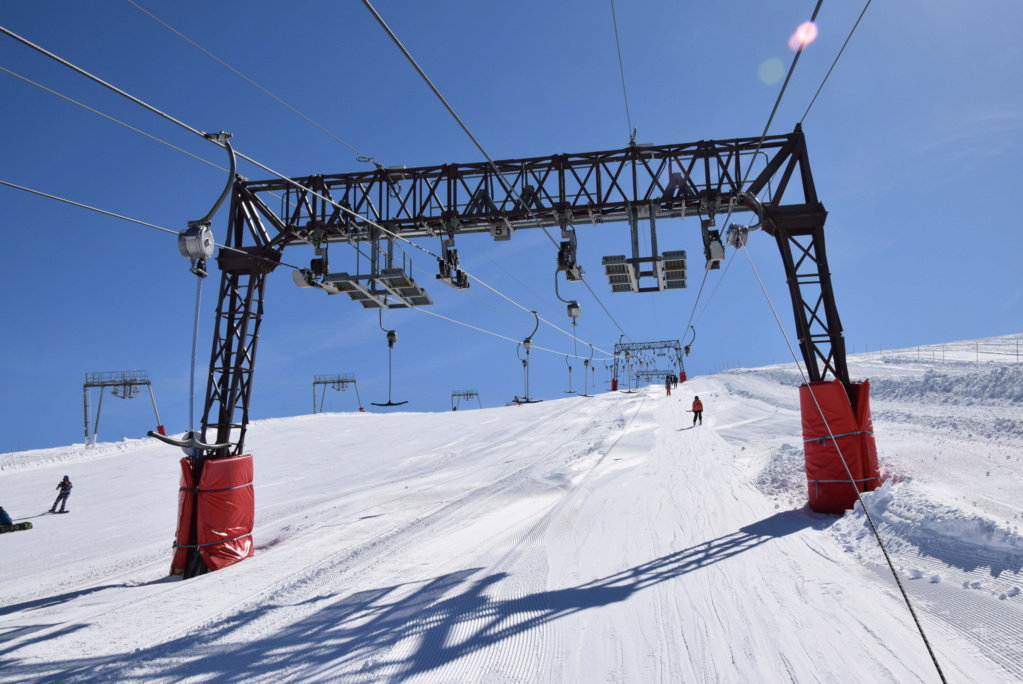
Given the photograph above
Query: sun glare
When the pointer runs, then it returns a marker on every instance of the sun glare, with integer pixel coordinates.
(804, 35)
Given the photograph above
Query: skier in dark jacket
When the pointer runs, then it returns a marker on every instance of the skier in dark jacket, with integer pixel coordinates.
(5, 518)
(65, 491)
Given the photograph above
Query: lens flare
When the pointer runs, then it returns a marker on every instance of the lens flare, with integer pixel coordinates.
(771, 71)
(804, 35)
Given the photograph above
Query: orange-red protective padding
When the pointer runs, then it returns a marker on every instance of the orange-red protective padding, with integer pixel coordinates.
(186, 499)
(227, 509)
(847, 424)
(682, 376)
(871, 471)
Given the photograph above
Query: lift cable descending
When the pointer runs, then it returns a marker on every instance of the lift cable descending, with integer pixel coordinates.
(110, 118)
(621, 69)
(508, 189)
(838, 349)
(271, 262)
(833, 64)
(343, 209)
(361, 157)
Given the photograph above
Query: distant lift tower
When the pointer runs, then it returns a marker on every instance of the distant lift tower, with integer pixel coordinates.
(468, 395)
(338, 382)
(630, 349)
(125, 385)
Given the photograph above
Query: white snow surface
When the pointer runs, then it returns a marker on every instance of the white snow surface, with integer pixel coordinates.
(599, 539)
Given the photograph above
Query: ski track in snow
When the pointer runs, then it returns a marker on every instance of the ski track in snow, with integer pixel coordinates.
(581, 540)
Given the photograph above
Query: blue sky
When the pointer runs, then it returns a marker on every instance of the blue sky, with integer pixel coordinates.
(915, 145)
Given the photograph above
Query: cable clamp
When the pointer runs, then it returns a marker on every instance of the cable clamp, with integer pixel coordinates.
(220, 137)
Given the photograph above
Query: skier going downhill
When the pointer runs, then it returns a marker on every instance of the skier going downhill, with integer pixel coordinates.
(697, 411)
(65, 491)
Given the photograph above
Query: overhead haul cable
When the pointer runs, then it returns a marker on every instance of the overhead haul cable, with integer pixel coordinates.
(218, 59)
(133, 220)
(820, 410)
(362, 156)
(760, 142)
(110, 118)
(204, 136)
(232, 249)
(621, 69)
(462, 124)
(852, 481)
(839, 55)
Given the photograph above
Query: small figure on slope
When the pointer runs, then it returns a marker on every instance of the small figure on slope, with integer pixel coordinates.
(667, 385)
(65, 491)
(697, 410)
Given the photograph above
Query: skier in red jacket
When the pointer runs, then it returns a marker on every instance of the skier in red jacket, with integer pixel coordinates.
(697, 410)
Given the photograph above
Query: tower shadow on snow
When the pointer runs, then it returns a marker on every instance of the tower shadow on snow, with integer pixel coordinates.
(451, 615)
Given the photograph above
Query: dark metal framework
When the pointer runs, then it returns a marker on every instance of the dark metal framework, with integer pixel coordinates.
(468, 395)
(338, 382)
(566, 190)
(634, 348)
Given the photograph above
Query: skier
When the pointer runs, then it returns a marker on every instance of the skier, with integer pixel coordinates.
(667, 384)
(5, 518)
(65, 491)
(697, 411)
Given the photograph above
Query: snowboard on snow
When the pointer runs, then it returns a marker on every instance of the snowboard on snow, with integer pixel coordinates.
(16, 527)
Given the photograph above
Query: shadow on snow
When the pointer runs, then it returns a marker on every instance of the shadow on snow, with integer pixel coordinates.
(443, 619)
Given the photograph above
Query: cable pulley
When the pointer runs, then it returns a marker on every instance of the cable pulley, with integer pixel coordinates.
(737, 234)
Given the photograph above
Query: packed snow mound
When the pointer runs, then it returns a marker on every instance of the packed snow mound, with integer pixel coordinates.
(969, 386)
(912, 522)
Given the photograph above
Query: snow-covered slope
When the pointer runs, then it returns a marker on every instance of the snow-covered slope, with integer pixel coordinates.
(579, 540)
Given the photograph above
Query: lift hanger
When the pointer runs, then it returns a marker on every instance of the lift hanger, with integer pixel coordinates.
(392, 339)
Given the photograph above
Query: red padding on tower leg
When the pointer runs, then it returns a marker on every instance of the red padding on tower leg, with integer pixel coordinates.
(186, 499)
(227, 509)
(870, 470)
(851, 429)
